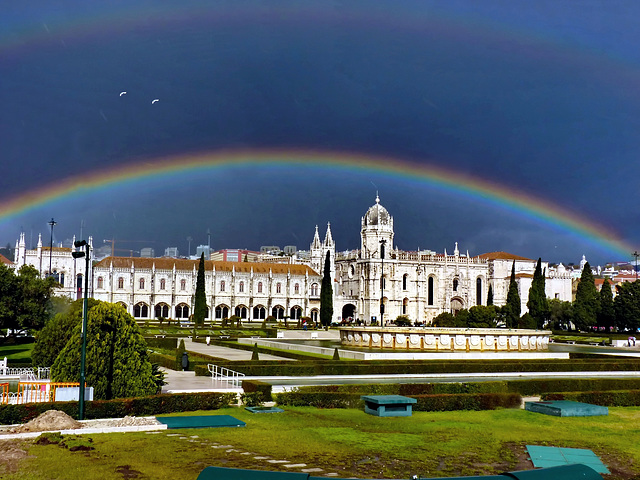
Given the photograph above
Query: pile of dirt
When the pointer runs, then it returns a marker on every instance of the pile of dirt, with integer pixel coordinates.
(49, 420)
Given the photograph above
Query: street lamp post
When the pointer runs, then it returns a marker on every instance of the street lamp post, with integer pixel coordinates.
(382, 244)
(636, 254)
(52, 223)
(85, 254)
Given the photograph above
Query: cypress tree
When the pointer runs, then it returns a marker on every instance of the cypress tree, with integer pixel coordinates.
(255, 356)
(606, 316)
(587, 304)
(200, 307)
(537, 302)
(512, 308)
(490, 295)
(326, 294)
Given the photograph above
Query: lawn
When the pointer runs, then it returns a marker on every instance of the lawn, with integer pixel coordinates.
(17, 353)
(346, 442)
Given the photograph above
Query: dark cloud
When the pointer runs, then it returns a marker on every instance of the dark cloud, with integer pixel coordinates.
(539, 97)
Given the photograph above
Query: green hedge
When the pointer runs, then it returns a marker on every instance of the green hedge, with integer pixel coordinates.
(151, 405)
(168, 343)
(426, 403)
(615, 398)
(166, 361)
(466, 401)
(251, 386)
(522, 387)
(330, 367)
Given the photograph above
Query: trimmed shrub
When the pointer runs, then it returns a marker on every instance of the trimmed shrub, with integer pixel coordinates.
(308, 367)
(120, 407)
(615, 398)
(426, 403)
(466, 401)
(164, 342)
(166, 361)
(256, 386)
(320, 399)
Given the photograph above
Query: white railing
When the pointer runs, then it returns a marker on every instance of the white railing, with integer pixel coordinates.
(222, 374)
(28, 374)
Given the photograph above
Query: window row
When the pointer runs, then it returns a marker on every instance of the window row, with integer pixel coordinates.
(141, 310)
(223, 286)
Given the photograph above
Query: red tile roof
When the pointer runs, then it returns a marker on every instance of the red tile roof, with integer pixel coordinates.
(503, 256)
(183, 264)
(5, 260)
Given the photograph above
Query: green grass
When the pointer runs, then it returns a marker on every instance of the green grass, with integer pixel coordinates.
(17, 353)
(347, 442)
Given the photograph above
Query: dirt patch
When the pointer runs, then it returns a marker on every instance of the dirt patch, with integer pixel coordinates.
(127, 472)
(11, 453)
(49, 420)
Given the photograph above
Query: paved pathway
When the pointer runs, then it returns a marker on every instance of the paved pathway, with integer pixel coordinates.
(178, 381)
(225, 352)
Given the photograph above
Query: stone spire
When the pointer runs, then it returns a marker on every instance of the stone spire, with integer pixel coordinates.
(316, 240)
(328, 239)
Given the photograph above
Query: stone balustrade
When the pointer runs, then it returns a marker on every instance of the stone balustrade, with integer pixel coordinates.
(435, 339)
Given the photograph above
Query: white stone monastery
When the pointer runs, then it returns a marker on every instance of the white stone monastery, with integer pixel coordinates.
(419, 284)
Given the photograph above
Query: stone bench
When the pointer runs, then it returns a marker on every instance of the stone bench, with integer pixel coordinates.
(388, 405)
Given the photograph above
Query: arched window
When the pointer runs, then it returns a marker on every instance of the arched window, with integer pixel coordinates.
(455, 284)
(259, 287)
(278, 287)
(241, 287)
(430, 291)
(163, 284)
(120, 282)
(296, 288)
(259, 313)
(314, 290)
(100, 282)
(162, 310)
(314, 316)
(278, 312)
(296, 313)
(479, 291)
(241, 312)
(222, 285)
(183, 284)
(140, 310)
(404, 281)
(142, 284)
(182, 311)
(405, 305)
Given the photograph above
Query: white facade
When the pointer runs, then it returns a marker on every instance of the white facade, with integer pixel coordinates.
(420, 285)
(165, 287)
(67, 270)
(423, 284)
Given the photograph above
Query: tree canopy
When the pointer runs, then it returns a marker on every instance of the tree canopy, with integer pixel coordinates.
(117, 365)
(627, 306)
(537, 302)
(200, 307)
(326, 294)
(513, 307)
(606, 314)
(587, 303)
(25, 298)
(52, 339)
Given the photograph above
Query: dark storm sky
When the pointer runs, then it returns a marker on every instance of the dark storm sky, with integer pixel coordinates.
(541, 97)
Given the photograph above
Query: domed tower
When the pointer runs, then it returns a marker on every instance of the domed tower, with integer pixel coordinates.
(377, 225)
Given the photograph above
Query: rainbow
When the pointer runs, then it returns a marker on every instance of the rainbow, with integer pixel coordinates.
(522, 204)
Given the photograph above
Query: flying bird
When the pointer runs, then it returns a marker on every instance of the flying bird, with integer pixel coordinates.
(123, 93)
(155, 100)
